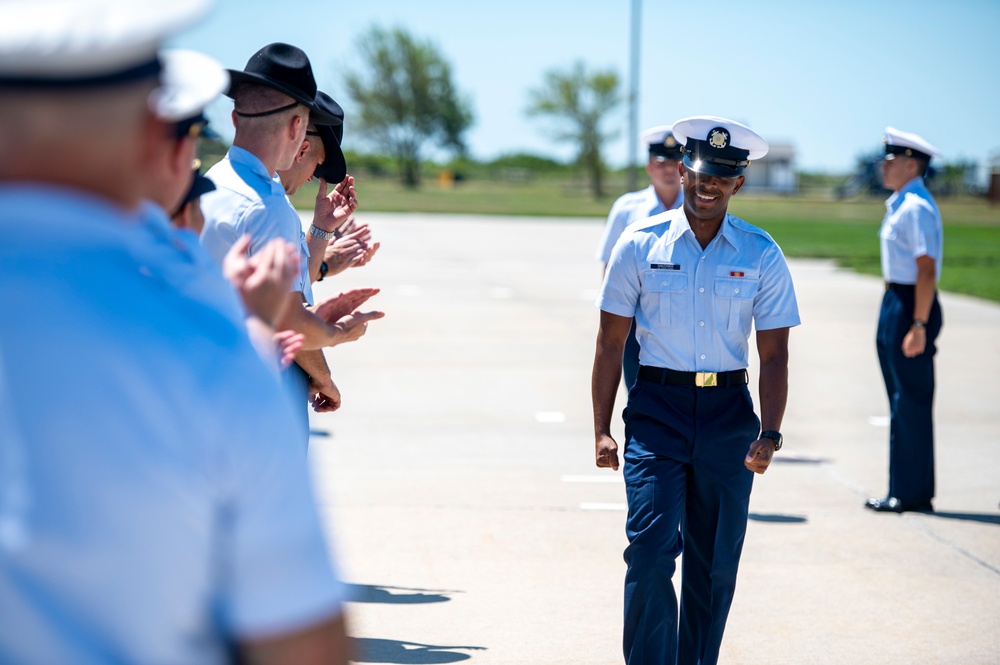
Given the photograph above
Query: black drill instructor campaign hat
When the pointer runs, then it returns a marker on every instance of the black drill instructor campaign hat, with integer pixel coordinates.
(285, 68)
(334, 166)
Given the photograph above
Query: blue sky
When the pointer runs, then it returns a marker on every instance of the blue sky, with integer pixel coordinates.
(826, 77)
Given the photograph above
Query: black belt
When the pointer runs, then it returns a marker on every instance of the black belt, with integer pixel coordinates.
(661, 375)
(894, 286)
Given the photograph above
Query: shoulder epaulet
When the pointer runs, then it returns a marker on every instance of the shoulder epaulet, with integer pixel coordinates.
(747, 227)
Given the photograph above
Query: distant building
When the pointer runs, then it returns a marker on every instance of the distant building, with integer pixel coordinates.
(775, 172)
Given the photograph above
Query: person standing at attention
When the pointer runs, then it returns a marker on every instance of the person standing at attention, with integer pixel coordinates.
(663, 194)
(695, 280)
(911, 245)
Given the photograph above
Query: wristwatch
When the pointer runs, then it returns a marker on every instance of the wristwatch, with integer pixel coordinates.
(774, 436)
(320, 233)
(917, 323)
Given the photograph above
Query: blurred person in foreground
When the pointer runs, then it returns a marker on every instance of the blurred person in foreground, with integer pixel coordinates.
(146, 512)
(910, 320)
(663, 194)
(696, 280)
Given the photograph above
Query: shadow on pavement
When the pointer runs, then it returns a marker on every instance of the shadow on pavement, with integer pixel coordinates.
(776, 518)
(797, 459)
(376, 593)
(985, 518)
(371, 650)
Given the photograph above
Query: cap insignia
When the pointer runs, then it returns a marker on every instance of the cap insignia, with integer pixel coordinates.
(670, 141)
(718, 138)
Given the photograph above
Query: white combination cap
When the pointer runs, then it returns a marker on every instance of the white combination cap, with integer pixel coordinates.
(53, 43)
(660, 141)
(908, 144)
(717, 146)
(189, 82)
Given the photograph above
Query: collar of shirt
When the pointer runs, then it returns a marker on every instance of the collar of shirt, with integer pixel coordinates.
(680, 225)
(252, 165)
(894, 201)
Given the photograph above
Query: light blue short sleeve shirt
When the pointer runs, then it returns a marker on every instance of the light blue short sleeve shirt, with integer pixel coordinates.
(162, 508)
(694, 308)
(910, 229)
(249, 200)
(627, 210)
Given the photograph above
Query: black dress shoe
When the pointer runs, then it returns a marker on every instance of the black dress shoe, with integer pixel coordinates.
(891, 504)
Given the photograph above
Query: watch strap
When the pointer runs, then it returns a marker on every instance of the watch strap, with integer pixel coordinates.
(774, 436)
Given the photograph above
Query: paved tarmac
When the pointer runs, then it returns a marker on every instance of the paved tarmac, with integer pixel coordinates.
(459, 484)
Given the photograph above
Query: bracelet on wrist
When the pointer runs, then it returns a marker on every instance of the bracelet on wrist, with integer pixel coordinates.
(320, 233)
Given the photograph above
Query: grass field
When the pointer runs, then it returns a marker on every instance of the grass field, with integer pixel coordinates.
(805, 226)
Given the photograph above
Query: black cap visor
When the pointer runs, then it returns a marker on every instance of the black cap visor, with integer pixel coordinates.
(726, 162)
(892, 150)
(712, 168)
(660, 150)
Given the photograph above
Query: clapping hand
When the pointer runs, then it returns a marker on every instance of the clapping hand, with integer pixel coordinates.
(264, 279)
(334, 208)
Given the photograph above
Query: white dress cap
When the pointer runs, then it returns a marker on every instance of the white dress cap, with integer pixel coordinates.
(189, 82)
(903, 140)
(67, 40)
(653, 135)
(741, 137)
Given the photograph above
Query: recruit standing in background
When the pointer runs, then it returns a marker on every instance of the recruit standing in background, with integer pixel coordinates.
(695, 280)
(911, 240)
(664, 193)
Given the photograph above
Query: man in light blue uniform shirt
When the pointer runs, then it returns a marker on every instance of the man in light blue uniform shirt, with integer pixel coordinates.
(664, 193)
(695, 280)
(146, 513)
(275, 99)
(910, 320)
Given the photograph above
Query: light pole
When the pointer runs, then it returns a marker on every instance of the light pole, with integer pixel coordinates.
(633, 96)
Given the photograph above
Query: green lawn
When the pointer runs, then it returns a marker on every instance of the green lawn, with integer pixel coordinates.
(805, 226)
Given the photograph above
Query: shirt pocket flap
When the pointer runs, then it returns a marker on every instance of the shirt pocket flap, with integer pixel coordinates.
(662, 281)
(735, 287)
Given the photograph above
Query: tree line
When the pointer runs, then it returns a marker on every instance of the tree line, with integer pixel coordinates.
(406, 103)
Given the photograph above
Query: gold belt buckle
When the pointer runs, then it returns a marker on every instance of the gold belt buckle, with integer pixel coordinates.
(706, 379)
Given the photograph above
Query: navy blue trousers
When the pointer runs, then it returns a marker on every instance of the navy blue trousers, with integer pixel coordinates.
(688, 491)
(909, 383)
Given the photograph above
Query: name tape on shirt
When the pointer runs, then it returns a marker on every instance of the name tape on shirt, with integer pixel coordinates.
(664, 266)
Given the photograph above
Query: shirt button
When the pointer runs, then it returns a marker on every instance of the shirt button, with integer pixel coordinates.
(737, 290)
(701, 290)
(703, 356)
(701, 323)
